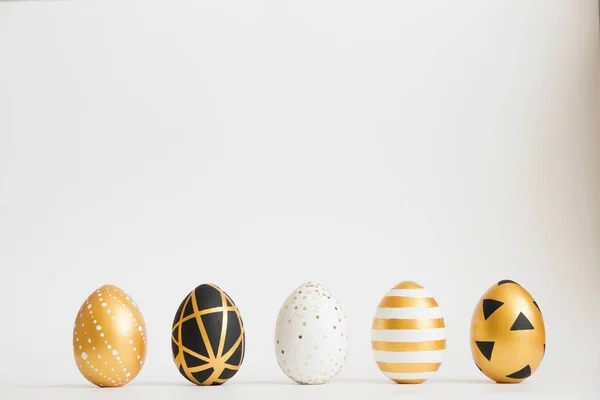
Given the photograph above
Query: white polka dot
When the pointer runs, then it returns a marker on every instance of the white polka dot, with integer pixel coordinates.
(108, 347)
(89, 306)
(108, 311)
(84, 355)
(99, 356)
(102, 334)
(114, 352)
(128, 375)
(89, 340)
(130, 341)
(98, 327)
(103, 304)
(140, 328)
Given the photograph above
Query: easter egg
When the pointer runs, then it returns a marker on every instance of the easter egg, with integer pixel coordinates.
(311, 340)
(508, 338)
(407, 336)
(109, 338)
(207, 337)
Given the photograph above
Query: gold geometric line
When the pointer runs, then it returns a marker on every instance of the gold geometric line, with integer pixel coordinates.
(199, 313)
(200, 368)
(242, 334)
(227, 355)
(223, 325)
(205, 338)
(190, 352)
(180, 355)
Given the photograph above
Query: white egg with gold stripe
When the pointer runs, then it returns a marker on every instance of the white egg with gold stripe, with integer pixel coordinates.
(407, 336)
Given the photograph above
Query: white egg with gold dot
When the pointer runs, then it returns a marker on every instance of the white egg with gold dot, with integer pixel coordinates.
(311, 341)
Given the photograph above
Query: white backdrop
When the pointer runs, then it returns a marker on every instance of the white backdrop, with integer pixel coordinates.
(158, 145)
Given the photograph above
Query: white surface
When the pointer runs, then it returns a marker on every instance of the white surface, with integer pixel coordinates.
(261, 144)
(337, 389)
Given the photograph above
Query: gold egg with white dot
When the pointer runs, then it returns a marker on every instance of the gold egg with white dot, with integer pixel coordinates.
(109, 338)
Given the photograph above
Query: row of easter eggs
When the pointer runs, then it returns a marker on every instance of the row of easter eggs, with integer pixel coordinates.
(311, 342)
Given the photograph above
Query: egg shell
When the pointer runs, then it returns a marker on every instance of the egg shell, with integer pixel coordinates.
(207, 337)
(408, 334)
(109, 338)
(508, 337)
(311, 340)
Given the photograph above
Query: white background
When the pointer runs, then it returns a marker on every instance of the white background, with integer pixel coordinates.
(157, 145)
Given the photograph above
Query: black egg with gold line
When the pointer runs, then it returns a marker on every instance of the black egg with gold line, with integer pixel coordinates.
(508, 337)
(207, 337)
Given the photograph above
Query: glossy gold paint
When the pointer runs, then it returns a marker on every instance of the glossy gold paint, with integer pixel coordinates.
(513, 349)
(109, 338)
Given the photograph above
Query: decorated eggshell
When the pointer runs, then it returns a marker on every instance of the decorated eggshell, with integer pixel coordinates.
(311, 341)
(407, 337)
(208, 338)
(109, 338)
(508, 338)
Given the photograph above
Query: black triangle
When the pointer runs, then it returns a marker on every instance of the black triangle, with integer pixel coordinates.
(521, 324)
(507, 281)
(489, 306)
(544, 350)
(538, 307)
(486, 349)
(523, 373)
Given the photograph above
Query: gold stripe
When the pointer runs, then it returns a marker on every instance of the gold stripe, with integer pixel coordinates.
(180, 355)
(381, 323)
(200, 313)
(408, 367)
(203, 332)
(409, 346)
(408, 285)
(409, 381)
(401, 302)
(223, 326)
